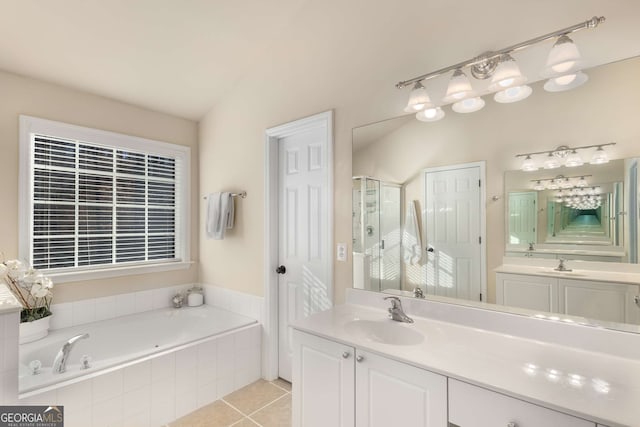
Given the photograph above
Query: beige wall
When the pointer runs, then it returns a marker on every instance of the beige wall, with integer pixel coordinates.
(603, 110)
(36, 98)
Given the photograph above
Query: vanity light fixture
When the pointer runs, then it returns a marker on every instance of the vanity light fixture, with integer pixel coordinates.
(582, 182)
(564, 183)
(567, 155)
(539, 186)
(562, 68)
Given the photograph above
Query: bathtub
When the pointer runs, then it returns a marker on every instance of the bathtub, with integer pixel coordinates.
(124, 341)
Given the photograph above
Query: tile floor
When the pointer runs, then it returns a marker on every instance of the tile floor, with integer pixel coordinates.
(263, 403)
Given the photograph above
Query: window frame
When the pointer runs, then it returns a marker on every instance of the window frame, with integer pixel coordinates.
(32, 125)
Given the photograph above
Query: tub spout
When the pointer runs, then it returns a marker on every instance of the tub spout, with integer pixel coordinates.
(60, 362)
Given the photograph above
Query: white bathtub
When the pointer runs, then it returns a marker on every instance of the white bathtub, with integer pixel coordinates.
(123, 341)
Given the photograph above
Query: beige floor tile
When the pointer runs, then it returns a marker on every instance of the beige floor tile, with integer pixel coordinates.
(254, 396)
(278, 414)
(216, 414)
(282, 384)
(245, 422)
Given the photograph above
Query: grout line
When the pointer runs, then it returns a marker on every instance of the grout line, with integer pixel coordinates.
(229, 404)
(268, 404)
(281, 388)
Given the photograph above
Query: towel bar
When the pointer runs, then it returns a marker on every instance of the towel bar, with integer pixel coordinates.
(242, 194)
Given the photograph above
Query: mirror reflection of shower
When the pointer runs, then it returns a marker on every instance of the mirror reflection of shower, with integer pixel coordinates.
(376, 225)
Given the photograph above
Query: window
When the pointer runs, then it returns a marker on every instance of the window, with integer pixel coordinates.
(96, 201)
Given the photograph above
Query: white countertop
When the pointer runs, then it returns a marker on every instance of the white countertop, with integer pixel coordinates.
(594, 252)
(595, 386)
(577, 273)
(8, 302)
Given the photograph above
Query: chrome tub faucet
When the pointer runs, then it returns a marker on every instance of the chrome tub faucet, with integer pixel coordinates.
(395, 311)
(60, 362)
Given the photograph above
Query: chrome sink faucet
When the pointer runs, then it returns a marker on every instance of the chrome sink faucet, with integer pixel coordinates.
(395, 311)
(418, 292)
(60, 362)
(562, 267)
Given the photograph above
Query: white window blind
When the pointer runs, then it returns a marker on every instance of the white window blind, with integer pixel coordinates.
(101, 205)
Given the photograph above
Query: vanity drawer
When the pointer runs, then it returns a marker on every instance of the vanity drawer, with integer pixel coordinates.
(471, 406)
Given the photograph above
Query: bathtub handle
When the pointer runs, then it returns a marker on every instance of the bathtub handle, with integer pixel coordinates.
(281, 270)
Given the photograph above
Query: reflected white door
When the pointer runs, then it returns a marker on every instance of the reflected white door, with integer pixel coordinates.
(522, 217)
(303, 288)
(453, 224)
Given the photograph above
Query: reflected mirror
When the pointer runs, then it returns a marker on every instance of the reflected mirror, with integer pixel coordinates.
(436, 206)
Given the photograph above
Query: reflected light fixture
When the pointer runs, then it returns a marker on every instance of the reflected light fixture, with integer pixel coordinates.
(468, 105)
(539, 186)
(513, 94)
(573, 160)
(432, 114)
(564, 155)
(507, 81)
(528, 165)
(581, 182)
(600, 157)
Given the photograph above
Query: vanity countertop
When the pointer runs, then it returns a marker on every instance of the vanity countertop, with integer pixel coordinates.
(577, 273)
(8, 302)
(595, 386)
(593, 252)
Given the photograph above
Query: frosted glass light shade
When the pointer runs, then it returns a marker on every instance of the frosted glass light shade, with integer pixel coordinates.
(581, 182)
(507, 74)
(553, 185)
(563, 57)
(528, 165)
(566, 183)
(551, 162)
(459, 87)
(418, 99)
(539, 186)
(573, 160)
(566, 82)
(430, 114)
(513, 94)
(600, 157)
(468, 105)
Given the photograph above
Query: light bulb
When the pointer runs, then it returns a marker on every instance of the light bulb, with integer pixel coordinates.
(430, 114)
(468, 105)
(566, 79)
(513, 94)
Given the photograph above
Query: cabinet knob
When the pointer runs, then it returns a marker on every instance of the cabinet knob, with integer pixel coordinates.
(346, 355)
(512, 424)
(359, 358)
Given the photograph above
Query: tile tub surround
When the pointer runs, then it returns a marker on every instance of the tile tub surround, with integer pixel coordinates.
(166, 387)
(96, 309)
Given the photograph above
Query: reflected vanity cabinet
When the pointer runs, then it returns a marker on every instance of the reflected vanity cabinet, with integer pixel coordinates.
(338, 385)
(609, 301)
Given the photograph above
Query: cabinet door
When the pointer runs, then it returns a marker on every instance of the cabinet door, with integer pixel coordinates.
(471, 406)
(323, 382)
(532, 292)
(613, 302)
(390, 393)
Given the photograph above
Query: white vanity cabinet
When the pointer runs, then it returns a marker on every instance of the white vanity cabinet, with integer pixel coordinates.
(607, 301)
(338, 385)
(471, 406)
(525, 291)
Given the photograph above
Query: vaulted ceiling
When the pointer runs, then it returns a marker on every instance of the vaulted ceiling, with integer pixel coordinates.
(184, 57)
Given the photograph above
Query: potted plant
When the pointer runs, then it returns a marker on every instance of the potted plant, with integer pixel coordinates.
(33, 290)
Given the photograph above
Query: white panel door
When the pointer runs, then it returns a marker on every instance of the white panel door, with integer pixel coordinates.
(453, 227)
(533, 292)
(390, 393)
(614, 302)
(523, 218)
(303, 221)
(323, 382)
(471, 406)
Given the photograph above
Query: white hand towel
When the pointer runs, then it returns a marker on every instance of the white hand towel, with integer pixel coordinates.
(411, 239)
(213, 215)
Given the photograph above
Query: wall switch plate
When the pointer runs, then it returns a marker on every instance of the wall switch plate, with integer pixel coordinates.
(341, 252)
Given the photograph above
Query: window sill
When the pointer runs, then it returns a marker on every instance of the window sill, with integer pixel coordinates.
(77, 276)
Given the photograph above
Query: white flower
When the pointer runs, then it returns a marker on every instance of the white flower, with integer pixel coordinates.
(16, 269)
(46, 282)
(14, 264)
(3, 270)
(39, 291)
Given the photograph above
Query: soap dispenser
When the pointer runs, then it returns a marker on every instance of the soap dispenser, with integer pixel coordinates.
(195, 296)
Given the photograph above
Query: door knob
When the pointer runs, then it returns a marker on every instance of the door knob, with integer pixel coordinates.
(430, 249)
(345, 355)
(359, 359)
(281, 270)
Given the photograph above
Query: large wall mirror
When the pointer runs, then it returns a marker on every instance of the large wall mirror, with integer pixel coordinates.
(436, 206)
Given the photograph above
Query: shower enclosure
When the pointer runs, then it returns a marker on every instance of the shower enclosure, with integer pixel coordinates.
(376, 228)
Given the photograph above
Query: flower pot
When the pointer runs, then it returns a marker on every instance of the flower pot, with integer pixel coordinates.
(32, 331)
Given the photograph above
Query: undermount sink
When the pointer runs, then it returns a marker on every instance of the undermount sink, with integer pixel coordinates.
(385, 331)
